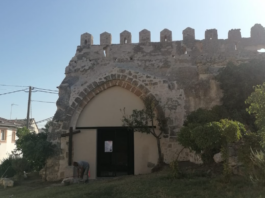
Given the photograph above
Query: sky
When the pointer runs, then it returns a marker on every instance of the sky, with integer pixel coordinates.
(39, 38)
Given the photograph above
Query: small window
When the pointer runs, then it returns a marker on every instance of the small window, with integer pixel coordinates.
(85, 42)
(3, 135)
(104, 53)
(125, 41)
(165, 38)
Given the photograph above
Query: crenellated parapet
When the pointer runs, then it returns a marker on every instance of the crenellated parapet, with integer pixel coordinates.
(234, 35)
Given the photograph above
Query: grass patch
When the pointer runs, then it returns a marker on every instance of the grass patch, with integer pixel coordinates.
(154, 185)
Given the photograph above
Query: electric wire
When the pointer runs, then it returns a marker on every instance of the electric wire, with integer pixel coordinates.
(44, 120)
(42, 101)
(47, 92)
(45, 89)
(12, 92)
(12, 85)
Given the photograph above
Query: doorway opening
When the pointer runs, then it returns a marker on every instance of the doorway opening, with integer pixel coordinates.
(115, 151)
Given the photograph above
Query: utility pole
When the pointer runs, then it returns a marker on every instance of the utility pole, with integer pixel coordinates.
(29, 101)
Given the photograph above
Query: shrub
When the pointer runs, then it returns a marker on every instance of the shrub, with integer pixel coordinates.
(6, 169)
(20, 165)
(35, 149)
(257, 175)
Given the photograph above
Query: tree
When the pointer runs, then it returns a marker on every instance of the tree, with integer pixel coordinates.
(34, 147)
(46, 127)
(236, 82)
(144, 121)
(257, 106)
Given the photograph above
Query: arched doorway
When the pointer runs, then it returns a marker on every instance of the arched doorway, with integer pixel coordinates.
(100, 121)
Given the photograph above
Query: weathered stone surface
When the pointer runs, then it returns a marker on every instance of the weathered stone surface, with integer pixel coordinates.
(86, 39)
(6, 182)
(144, 36)
(178, 74)
(218, 158)
(125, 37)
(165, 35)
(105, 38)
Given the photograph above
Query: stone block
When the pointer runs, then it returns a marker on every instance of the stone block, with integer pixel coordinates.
(211, 34)
(258, 32)
(144, 36)
(218, 158)
(234, 35)
(125, 37)
(188, 33)
(105, 38)
(86, 39)
(6, 182)
(165, 35)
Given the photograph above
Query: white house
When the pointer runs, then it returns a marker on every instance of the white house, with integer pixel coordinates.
(8, 136)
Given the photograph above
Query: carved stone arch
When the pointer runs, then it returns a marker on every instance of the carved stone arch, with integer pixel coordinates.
(97, 87)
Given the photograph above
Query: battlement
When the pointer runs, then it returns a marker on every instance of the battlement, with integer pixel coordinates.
(234, 35)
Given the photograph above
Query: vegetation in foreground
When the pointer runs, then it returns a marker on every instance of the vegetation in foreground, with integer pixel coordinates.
(161, 184)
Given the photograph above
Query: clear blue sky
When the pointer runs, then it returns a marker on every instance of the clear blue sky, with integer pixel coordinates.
(38, 38)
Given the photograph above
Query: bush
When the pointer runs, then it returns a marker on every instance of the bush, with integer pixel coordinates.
(257, 175)
(35, 149)
(6, 169)
(20, 165)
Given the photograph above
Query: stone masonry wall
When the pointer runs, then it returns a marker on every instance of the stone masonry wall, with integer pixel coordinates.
(178, 74)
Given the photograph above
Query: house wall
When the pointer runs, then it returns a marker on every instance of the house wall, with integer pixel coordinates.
(7, 146)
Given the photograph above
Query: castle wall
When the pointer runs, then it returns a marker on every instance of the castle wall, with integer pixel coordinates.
(178, 74)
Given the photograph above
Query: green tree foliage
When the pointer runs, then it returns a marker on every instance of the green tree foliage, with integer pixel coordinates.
(22, 132)
(257, 106)
(34, 147)
(209, 138)
(237, 84)
(144, 121)
(203, 116)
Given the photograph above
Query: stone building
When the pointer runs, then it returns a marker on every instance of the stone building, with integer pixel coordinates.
(103, 79)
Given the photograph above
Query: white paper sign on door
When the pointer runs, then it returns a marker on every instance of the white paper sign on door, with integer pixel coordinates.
(108, 146)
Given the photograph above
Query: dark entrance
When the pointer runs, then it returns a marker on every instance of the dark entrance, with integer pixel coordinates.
(115, 152)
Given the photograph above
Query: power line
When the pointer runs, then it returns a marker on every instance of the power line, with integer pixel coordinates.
(45, 89)
(42, 101)
(12, 92)
(44, 120)
(12, 85)
(4, 85)
(46, 92)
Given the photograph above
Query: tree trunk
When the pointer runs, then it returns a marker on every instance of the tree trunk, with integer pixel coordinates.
(160, 161)
(160, 157)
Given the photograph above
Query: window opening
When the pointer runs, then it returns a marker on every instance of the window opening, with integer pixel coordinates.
(235, 47)
(13, 136)
(104, 53)
(3, 135)
(125, 40)
(262, 50)
(85, 42)
(165, 38)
